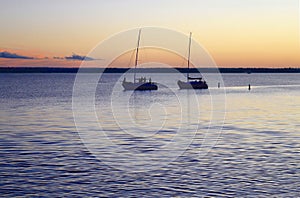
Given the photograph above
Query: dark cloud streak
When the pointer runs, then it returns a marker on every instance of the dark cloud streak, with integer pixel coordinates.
(60, 58)
(78, 57)
(6, 54)
(75, 57)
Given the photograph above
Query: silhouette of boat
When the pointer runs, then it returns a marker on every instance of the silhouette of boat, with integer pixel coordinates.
(139, 84)
(191, 82)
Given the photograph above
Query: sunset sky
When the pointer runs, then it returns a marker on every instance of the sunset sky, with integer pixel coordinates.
(236, 33)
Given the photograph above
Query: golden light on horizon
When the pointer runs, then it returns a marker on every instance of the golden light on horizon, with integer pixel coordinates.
(149, 55)
(235, 33)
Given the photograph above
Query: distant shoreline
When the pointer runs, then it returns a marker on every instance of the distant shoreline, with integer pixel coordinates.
(145, 70)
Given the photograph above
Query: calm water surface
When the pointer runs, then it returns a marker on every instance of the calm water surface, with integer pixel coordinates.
(257, 153)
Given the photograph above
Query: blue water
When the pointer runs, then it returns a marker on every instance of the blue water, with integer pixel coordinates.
(256, 154)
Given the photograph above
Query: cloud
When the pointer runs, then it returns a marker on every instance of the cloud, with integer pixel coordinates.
(6, 54)
(78, 57)
(57, 57)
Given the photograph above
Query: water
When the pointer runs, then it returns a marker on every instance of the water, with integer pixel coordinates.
(257, 153)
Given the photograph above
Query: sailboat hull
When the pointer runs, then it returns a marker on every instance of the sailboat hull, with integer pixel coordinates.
(139, 86)
(192, 85)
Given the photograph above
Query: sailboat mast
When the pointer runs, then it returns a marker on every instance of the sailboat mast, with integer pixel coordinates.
(137, 54)
(189, 55)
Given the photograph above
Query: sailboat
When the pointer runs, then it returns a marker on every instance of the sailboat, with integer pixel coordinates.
(139, 84)
(191, 82)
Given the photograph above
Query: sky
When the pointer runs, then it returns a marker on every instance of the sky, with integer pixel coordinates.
(236, 33)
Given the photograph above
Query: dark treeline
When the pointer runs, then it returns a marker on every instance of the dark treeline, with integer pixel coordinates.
(145, 70)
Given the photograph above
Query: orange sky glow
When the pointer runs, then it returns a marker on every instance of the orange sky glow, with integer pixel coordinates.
(250, 33)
